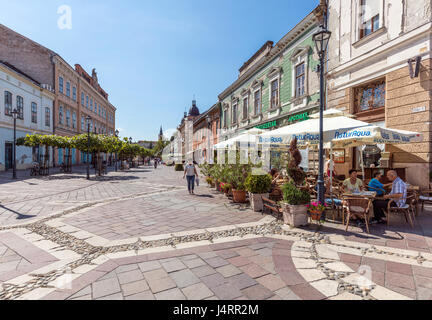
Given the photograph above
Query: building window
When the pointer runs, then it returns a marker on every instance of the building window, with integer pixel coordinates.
(257, 102)
(370, 96)
(300, 80)
(74, 120)
(20, 107)
(87, 102)
(61, 84)
(274, 102)
(61, 115)
(8, 103)
(34, 112)
(82, 99)
(68, 89)
(225, 115)
(74, 92)
(47, 117)
(67, 118)
(370, 17)
(91, 104)
(245, 108)
(82, 123)
(234, 113)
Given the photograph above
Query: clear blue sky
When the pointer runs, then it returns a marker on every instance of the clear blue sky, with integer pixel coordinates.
(152, 56)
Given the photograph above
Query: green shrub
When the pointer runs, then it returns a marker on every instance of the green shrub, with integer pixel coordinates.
(179, 167)
(258, 183)
(294, 196)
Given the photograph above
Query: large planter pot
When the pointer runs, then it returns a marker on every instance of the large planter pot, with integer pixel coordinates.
(295, 216)
(256, 201)
(239, 196)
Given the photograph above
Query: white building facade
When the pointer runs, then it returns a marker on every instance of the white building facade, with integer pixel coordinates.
(35, 107)
(379, 70)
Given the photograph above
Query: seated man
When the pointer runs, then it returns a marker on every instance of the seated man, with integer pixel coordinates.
(398, 194)
(353, 184)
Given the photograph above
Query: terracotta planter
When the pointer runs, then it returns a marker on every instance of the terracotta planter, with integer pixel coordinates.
(256, 201)
(315, 215)
(295, 216)
(239, 196)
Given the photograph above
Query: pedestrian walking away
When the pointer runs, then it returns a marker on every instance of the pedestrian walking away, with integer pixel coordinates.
(155, 164)
(190, 172)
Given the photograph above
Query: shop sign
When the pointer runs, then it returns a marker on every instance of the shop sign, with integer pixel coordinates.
(273, 124)
(268, 125)
(299, 117)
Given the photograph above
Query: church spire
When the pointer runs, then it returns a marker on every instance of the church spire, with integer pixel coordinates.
(161, 134)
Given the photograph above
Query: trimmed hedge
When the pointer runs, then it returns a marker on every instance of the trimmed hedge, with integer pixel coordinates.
(179, 167)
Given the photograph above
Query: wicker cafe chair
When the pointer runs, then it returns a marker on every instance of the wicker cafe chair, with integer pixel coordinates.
(357, 206)
(336, 204)
(425, 197)
(407, 210)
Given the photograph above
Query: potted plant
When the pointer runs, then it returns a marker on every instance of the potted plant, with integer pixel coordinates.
(210, 182)
(258, 185)
(179, 167)
(236, 175)
(225, 187)
(215, 174)
(294, 205)
(315, 210)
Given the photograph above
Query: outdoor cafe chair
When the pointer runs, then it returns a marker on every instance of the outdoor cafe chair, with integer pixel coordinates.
(357, 206)
(425, 197)
(336, 203)
(407, 210)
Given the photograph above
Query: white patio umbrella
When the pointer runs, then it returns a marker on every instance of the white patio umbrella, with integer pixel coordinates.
(331, 113)
(307, 132)
(375, 135)
(248, 137)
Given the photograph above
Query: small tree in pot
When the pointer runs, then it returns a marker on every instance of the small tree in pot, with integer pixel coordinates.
(258, 185)
(295, 198)
(236, 175)
(294, 205)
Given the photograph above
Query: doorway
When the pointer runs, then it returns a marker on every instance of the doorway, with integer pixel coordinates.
(8, 155)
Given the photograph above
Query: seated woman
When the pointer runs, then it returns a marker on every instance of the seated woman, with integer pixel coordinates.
(353, 184)
(375, 184)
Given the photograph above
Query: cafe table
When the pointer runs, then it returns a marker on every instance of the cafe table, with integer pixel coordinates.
(371, 195)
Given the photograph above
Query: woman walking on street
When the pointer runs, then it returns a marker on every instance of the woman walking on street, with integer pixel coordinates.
(155, 163)
(191, 173)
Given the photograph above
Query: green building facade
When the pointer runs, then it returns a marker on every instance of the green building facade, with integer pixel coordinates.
(278, 86)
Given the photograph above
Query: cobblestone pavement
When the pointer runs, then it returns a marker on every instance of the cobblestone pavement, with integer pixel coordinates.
(140, 235)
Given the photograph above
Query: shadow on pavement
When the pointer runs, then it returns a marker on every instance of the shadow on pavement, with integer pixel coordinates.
(20, 215)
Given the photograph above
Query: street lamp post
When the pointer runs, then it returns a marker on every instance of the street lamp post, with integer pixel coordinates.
(116, 134)
(88, 147)
(15, 116)
(321, 39)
